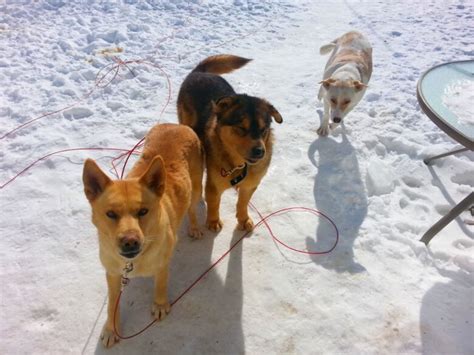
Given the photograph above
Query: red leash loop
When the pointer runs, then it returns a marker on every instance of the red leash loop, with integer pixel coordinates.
(263, 220)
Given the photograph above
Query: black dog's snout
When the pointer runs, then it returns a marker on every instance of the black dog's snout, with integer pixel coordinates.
(336, 119)
(258, 152)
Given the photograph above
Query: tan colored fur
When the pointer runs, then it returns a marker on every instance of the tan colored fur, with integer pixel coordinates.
(166, 181)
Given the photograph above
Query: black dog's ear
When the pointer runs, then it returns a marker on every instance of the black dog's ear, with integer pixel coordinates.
(274, 113)
(95, 181)
(223, 104)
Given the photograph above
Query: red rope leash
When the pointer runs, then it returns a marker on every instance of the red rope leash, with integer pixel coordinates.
(99, 79)
(9, 181)
(102, 80)
(263, 220)
(112, 70)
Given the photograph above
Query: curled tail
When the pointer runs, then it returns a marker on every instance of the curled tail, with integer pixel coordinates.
(327, 48)
(221, 64)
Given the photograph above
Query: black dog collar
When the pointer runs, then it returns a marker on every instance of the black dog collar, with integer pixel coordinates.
(237, 179)
(240, 177)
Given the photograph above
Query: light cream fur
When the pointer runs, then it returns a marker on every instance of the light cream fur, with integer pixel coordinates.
(345, 79)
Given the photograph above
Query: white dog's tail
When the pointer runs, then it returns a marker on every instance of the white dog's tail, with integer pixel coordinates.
(327, 48)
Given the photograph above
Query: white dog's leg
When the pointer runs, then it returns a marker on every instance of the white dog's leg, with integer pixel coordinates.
(324, 129)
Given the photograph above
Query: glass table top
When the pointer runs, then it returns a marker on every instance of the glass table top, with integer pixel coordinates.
(448, 92)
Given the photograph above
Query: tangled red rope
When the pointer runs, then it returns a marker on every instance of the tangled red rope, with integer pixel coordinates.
(263, 220)
(103, 78)
(114, 69)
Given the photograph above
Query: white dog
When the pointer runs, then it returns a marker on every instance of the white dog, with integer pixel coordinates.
(346, 76)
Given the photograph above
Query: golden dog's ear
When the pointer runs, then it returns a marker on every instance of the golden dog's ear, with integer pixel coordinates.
(222, 104)
(358, 85)
(274, 113)
(95, 181)
(327, 82)
(154, 177)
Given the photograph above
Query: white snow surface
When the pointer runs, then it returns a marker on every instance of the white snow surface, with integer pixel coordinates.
(380, 291)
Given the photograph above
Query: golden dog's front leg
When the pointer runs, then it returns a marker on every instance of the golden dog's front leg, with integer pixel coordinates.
(108, 335)
(213, 200)
(161, 306)
(245, 222)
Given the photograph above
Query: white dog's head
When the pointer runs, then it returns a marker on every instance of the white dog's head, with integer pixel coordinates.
(342, 96)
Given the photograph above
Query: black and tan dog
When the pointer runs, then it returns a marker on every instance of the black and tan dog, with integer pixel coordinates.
(235, 130)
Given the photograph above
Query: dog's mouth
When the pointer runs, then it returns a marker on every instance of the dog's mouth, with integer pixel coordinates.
(130, 254)
(252, 161)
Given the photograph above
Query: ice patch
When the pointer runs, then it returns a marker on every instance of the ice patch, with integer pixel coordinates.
(412, 181)
(113, 37)
(114, 106)
(380, 178)
(89, 75)
(465, 263)
(371, 97)
(65, 46)
(77, 113)
(465, 178)
(58, 81)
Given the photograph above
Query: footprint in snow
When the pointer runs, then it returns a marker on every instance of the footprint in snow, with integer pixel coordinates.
(463, 244)
(77, 113)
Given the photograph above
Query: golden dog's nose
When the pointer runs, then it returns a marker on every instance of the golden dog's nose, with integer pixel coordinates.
(130, 245)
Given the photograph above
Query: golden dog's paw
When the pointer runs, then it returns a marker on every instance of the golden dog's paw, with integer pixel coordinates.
(214, 226)
(108, 337)
(323, 131)
(195, 233)
(160, 311)
(246, 225)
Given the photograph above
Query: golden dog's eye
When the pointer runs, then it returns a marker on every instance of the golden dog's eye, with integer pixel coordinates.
(142, 212)
(112, 215)
(334, 101)
(347, 102)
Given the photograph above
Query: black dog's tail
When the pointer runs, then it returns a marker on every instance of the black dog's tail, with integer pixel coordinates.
(221, 64)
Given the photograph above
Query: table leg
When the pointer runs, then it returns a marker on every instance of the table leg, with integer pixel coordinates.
(456, 211)
(428, 161)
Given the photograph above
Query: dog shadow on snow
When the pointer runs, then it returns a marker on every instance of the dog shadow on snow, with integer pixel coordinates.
(207, 320)
(340, 194)
(446, 317)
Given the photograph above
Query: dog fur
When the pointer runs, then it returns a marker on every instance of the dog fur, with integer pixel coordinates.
(137, 218)
(235, 130)
(345, 79)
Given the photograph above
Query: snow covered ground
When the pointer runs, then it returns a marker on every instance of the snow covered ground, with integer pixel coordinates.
(380, 291)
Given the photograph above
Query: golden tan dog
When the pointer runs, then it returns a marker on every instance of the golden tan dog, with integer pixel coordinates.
(345, 79)
(235, 130)
(137, 218)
